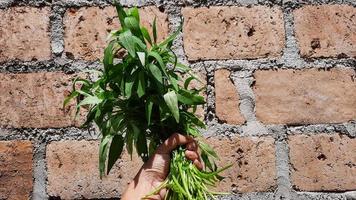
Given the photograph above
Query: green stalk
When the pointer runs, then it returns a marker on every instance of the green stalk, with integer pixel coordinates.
(177, 179)
(156, 190)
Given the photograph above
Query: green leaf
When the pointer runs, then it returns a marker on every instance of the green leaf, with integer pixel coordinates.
(135, 134)
(175, 58)
(121, 13)
(192, 131)
(118, 122)
(122, 85)
(116, 147)
(207, 149)
(181, 67)
(98, 116)
(195, 120)
(190, 99)
(128, 43)
(84, 82)
(159, 60)
(108, 56)
(171, 100)
(156, 72)
(148, 109)
(129, 85)
(141, 146)
(90, 117)
(103, 148)
(132, 24)
(206, 161)
(139, 42)
(142, 57)
(141, 87)
(90, 100)
(146, 35)
(134, 12)
(83, 93)
(171, 37)
(72, 95)
(154, 31)
(129, 139)
(174, 82)
(187, 81)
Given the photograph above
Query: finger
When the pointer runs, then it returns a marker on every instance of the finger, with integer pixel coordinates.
(193, 146)
(201, 163)
(173, 142)
(153, 197)
(163, 193)
(191, 155)
(198, 164)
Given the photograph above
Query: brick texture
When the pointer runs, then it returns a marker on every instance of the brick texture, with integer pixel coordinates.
(15, 170)
(226, 99)
(24, 34)
(233, 32)
(35, 100)
(305, 96)
(319, 165)
(254, 163)
(323, 162)
(326, 30)
(86, 29)
(73, 171)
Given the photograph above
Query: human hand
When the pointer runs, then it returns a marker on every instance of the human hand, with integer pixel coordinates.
(154, 172)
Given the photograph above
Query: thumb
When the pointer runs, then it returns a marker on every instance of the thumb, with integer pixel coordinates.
(173, 142)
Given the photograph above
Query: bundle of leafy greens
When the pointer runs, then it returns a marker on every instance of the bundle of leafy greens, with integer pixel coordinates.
(141, 100)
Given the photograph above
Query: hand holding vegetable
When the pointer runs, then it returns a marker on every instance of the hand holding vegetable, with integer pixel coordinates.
(140, 102)
(154, 172)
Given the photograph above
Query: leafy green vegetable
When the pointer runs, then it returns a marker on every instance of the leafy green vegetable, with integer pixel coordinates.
(154, 31)
(115, 151)
(140, 101)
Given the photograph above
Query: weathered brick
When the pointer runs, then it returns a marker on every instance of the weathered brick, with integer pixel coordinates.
(86, 29)
(72, 175)
(24, 34)
(326, 30)
(226, 99)
(233, 32)
(15, 170)
(305, 96)
(35, 100)
(323, 162)
(253, 162)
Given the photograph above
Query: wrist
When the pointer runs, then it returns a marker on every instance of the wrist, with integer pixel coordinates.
(138, 188)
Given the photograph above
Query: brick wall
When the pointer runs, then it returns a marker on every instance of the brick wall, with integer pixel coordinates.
(281, 94)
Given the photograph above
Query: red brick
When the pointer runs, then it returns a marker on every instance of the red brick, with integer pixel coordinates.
(226, 99)
(15, 170)
(73, 171)
(86, 29)
(323, 162)
(305, 96)
(254, 163)
(233, 32)
(24, 34)
(35, 100)
(326, 30)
